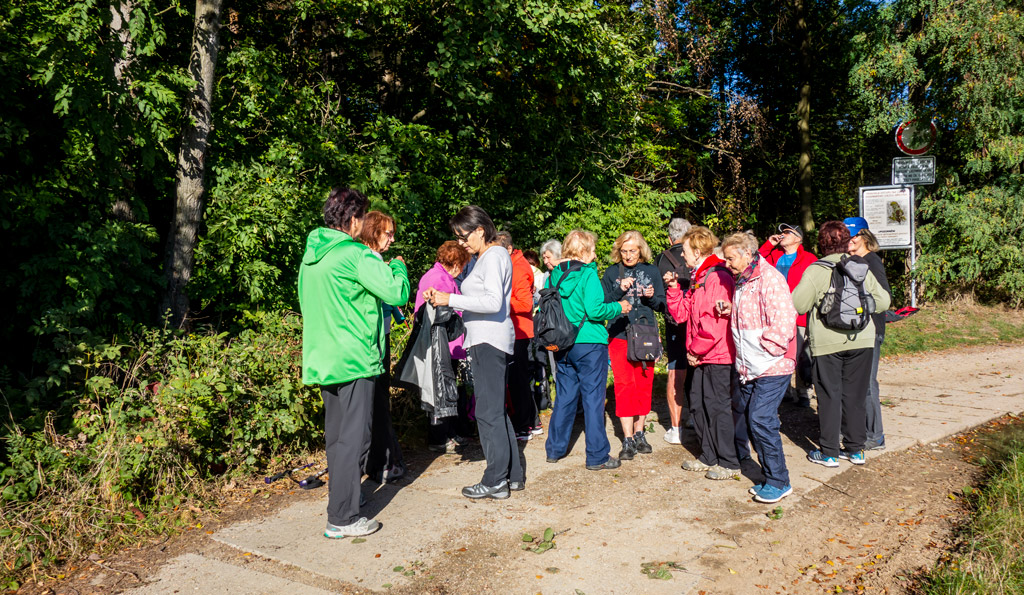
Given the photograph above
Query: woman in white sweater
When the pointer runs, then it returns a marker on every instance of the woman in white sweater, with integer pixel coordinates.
(486, 293)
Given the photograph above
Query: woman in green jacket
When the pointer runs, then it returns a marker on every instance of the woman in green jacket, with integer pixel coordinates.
(341, 287)
(583, 369)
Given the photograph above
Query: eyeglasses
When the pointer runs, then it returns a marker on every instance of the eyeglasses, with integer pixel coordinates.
(462, 237)
(390, 234)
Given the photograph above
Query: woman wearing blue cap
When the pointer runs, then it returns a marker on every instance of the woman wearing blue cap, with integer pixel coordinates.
(864, 244)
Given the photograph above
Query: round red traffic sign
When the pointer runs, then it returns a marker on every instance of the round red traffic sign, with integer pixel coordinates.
(915, 138)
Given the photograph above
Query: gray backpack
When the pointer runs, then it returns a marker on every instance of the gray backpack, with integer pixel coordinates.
(846, 305)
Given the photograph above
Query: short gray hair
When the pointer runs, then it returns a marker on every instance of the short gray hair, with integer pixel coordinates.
(677, 228)
(552, 246)
(742, 240)
(505, 239)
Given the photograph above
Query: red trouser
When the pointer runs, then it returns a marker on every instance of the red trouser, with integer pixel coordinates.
(633, 385)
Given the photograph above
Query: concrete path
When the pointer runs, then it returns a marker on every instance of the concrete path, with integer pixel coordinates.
(613, 522)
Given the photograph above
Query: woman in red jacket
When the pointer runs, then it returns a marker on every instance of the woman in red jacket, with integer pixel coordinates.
(709, 350)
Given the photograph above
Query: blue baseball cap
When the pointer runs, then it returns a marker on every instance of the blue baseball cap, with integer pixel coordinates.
(855, 224)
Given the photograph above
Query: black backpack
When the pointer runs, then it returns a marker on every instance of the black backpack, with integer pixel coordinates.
(846, 306)
(552, 330)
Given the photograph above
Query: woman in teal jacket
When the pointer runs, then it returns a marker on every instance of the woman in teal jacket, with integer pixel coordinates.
(341, 287)
(583, 369)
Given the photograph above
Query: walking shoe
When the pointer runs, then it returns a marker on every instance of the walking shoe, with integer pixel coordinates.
(879, 446)
(359, 528)
(642, 446)
(754, 489)
(553, 459)
(537, 430)
(769, 493)
(437, 447)
(719, 472)
(628, 449)
(461, 440)
(695, 465)
(611, 463)
(524, 436)
(672, 436)
(857, 458)
(516, 486)
(498, 492)
(816, 456)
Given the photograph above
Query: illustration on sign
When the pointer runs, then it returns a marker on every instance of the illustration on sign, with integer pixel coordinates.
(889, 211)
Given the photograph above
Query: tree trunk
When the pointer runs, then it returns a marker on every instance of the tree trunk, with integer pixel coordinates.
(803, 114)
(120, 16)
(191, 171)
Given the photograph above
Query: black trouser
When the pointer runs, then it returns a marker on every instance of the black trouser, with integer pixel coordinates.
(841, 383)
(384, 450)
(348, 413)
(498, 439)
(523, 410)
(711, 409)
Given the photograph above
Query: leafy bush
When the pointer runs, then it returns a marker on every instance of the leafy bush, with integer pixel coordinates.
(633, 207)
(150, 421)
(974, 241)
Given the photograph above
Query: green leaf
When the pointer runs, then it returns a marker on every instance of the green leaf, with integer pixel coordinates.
(549, 534)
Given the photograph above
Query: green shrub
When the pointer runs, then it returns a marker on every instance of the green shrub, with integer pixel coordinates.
(151, 421)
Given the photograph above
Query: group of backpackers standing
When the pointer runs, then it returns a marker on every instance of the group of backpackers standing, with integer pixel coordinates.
(740, 322)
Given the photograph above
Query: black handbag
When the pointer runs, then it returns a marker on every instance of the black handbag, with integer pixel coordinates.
(643, 339)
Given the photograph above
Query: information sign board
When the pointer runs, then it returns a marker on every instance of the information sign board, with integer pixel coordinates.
(889, 211)
(913, 170)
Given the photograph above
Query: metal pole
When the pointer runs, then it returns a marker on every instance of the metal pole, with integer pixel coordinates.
(913, 281)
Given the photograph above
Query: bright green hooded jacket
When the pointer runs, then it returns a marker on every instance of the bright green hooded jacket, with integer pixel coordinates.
(583, 296)
(341, 286)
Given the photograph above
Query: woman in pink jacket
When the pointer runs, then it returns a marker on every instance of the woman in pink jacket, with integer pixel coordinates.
(709, 350)
(763, 324)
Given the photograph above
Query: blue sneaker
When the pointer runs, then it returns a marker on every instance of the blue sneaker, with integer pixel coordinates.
(769, 493)
(754, 489)
(857, 458)
(816, 456)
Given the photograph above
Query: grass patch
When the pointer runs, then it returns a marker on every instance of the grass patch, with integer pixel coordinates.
(951, 325)
(990, 558)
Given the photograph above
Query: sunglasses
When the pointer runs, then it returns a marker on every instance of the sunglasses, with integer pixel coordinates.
(462, 237)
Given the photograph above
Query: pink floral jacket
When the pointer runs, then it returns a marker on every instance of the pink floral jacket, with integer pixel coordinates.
(763, 324)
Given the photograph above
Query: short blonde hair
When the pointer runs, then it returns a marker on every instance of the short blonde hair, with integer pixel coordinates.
(870, 241)
(577, 244)
(701, 239)
(631, 236)
(742, 240)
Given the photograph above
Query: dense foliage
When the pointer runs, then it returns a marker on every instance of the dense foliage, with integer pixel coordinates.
(551, 114)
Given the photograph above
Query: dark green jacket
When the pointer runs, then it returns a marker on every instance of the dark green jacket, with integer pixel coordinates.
(583, 297)
(341, 286)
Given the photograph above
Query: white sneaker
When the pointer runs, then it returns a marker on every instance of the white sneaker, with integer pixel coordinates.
(672, 436)
(361, 527)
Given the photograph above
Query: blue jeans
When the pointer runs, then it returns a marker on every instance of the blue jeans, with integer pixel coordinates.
(582, 372)
(759, 401)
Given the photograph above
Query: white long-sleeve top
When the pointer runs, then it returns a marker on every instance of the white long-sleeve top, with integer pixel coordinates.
(485, 301)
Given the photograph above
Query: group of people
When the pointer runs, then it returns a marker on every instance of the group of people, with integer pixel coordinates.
(741, 323)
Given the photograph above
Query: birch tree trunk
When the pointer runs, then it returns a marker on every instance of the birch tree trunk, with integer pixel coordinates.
(191, 170)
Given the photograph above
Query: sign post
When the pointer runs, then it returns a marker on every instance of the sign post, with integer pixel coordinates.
(889, 211)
